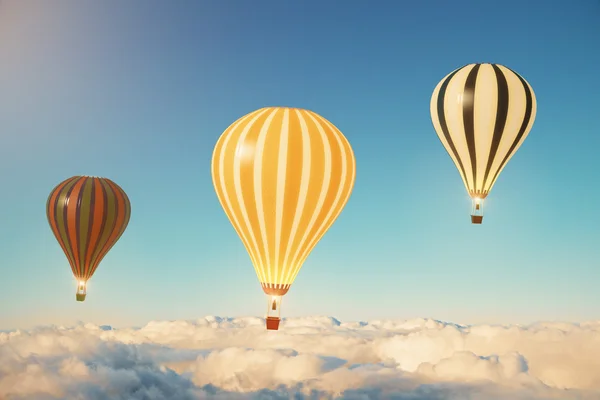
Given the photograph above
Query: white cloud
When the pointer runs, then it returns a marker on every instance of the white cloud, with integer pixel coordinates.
(316, 358)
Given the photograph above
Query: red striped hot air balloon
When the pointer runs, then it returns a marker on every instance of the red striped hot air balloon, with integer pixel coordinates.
(87, 215)
(283, 176)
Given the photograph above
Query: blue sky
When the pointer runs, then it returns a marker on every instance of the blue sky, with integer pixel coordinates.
(140, 91)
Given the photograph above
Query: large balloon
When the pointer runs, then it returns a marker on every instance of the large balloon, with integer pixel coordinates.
(482, 113)
(282, 175)
(87, 215)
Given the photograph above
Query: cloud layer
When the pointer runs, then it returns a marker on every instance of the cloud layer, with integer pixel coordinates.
(309, 358)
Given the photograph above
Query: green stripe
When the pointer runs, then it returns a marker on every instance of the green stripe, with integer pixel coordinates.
(84, 221)
(109, 219)
(60, 222)
(127, 207)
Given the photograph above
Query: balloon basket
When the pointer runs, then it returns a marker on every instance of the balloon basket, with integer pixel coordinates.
(273, 323)
(476, 219)
(80, 296)
(477, 211)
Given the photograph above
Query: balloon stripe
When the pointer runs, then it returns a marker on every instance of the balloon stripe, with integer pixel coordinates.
(126, 205)
(259, 199)
(90, 202)
(51, 211)
(82, 223)
(468, 99)
(120, 220)
(268, 160)
(338, 204)
(246, 148)
(220, 182)
(310, 185)
(502, 115)
(123, 213)
(299, 166)
(71, 216)
(74, 228)
(103, 231)
(444, 127)
(67, 216)
(523, 129)
(238, 189)
(268, 182)
(321, 177)
(96, 221)
(220, 188)
(232, 153)
(337, 161)
(61, 214)
(112, 213)
(280, 187)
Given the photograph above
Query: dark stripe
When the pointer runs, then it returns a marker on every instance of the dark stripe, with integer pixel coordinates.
(127, 210)
(48, 203)
(68, 243)
(108, 242)
(97, 247)
(124, 209)
(80, 265)
(97, 222)
(442, 119)
(501, 115)
(91, 211)
(526, 118)
(468, 104)
(51, 212)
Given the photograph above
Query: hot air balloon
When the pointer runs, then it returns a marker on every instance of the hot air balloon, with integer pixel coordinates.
(482, 113)
(87, 216)
(283, 176)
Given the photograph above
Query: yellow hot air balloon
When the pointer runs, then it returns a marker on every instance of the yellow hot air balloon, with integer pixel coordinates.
(482, 113)
(283, 176)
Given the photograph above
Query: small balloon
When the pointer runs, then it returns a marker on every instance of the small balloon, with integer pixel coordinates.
(482, 113)
(87, 215)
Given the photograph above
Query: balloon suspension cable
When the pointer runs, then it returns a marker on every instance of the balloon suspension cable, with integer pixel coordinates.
(273, 312)
(81, 290)
(477, 211)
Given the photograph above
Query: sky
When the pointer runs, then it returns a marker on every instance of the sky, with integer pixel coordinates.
(140, 91)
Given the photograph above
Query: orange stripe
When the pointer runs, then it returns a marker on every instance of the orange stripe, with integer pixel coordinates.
(247, 160)
(269, 191)
(228, 174)
(127, 208)
(334, 184)
(293, 177)
(117, 226)
(96, 222)
(72, 223)
(51, 211)
(345, 186)
(317, 175)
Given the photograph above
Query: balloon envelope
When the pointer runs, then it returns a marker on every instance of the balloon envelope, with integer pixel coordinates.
(482, 113)
(282, 175)
(87, 216)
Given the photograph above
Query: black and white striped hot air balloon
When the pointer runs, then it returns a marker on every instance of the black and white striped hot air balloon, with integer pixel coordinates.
(482, 113)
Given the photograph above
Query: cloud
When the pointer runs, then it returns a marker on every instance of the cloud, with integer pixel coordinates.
(309, 358)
